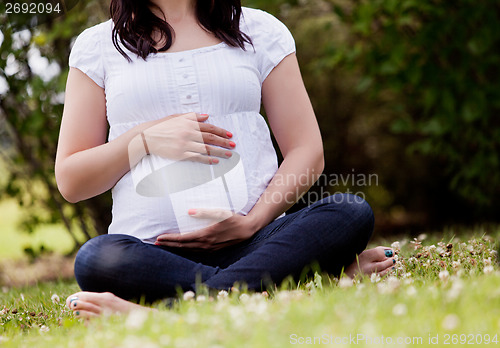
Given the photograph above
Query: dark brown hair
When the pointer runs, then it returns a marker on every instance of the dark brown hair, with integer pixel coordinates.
(135, 23)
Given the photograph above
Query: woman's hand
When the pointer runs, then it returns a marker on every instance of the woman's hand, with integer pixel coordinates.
(88, 165)
(186, 137)
(228, 229)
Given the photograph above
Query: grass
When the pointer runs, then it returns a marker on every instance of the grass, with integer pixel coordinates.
(445, 291)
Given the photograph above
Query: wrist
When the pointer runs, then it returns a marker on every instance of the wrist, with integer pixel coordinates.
(255, 222)
(139, 146)
(136, 150)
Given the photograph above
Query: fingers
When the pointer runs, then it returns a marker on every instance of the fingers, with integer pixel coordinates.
(214, 135)
(208, 139)
(213, 214)
(189, 136)
(195, 245)
(205, 154)
(177, 237)
(196, 157)
(185, 245)
(193, 240)
(211, 134)
(198, 117)
(207, 127)
(202, 148)
(189, 116)
(197, 240)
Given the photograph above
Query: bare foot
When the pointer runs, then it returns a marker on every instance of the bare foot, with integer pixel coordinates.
(91, 304)
(378, 260)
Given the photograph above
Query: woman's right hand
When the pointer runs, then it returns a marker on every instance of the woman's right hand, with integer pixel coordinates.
(187, 137)
(88, 165)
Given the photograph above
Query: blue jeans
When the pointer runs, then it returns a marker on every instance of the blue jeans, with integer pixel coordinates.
(329, 233)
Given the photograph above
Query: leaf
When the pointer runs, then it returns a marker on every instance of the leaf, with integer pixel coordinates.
(364, 84)
(401, 126)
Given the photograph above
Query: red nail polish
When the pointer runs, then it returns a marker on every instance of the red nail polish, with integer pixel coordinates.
(215, 160)
(203, 114)
(232, 144)
(229, 154)
(191, 211)
(229, 134)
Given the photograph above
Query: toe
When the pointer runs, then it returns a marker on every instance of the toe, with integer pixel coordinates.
(83, 314)
(382, 253)
(383, 266)
(379, 253)
(384, 272)
(81, 305)
(72, 298)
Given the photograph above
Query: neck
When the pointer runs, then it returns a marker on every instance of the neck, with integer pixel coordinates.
(174, 10)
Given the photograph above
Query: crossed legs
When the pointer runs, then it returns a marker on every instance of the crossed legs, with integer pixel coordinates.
(329, 233)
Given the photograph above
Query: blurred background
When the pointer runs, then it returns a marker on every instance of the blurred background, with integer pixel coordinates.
(407, 95)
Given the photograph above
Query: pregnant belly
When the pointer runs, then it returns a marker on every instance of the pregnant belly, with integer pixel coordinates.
(193, 185)
(156, 195)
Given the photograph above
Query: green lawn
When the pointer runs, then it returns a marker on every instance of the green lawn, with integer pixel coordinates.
(13, 240)
(441, 293)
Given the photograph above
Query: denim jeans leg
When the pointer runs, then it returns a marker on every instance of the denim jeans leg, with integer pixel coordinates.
(131, 269)
(331, 231)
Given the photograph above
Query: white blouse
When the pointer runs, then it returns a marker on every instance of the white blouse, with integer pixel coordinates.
(221, 81)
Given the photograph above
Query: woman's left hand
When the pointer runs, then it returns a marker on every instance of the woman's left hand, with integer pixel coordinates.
(229, 229)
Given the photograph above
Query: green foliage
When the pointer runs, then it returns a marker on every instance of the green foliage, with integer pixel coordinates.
(30, 112)
(439, 60)
(272, 6)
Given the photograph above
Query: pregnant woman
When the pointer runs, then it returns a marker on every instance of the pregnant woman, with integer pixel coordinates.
(168, 82)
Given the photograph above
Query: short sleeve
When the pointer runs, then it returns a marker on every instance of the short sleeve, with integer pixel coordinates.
(86, 54)
(271, 39)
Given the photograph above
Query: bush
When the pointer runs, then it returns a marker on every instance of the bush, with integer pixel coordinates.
(439, 63)
(30, 113)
